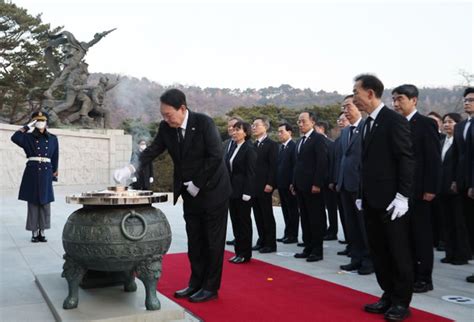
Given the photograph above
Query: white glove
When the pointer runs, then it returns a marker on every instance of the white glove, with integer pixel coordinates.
(31, 124)
(151, 180)
(134, 179)
(123, 174)
(192, 189)
(400, 205)
(246, 197)
(358, 204)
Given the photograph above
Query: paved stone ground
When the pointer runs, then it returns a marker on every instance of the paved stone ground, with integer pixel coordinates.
(20, 260)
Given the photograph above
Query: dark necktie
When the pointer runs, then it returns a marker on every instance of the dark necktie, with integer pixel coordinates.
(257, 143)
(351, 132)
(179, 131)
(367, 127)
(467, 128)
(280, 152)
(303, 139)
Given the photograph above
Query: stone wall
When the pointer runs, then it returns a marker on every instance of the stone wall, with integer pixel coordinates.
(86, 157)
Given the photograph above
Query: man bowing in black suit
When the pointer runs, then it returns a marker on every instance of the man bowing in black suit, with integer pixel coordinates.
(387, 172)
(427, 153)
(201, 178)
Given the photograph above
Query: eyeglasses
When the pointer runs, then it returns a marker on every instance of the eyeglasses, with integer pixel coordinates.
(468, 100)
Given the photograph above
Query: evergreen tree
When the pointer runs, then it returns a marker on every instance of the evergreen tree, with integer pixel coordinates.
(23, 70)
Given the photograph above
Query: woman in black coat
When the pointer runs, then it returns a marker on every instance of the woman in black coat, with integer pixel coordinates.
(458, 251)
(241, 162)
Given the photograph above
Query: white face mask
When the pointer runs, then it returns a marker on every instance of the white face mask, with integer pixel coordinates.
(40, 125)
(142, 147)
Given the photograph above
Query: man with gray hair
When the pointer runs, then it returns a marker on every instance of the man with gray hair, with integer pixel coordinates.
(387, 172)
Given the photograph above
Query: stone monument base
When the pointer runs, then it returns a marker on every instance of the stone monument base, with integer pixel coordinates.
(105, 304)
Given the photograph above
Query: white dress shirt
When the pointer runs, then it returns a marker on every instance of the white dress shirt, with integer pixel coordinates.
(447, 144)
(237, 148)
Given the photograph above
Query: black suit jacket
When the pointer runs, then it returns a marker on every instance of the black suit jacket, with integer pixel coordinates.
(200, 160)
(242, 176)
(311, 163)
(447, 175)
(265, 172)
(350, 158)
(387, 164)
(225, 147)
(331, 159)
(427, 152)
(337, 156)
(463, 157)
(285, 165)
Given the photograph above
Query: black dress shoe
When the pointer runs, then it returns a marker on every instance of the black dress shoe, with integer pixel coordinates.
(445, 260)
(379, 307)
(230, 242)
(34, 239)
(202, 296)
(344, 242)
(314, 258)
(441, 246)
(397, 313)
(266, 250)
(365, 270)
(330, 237)
(470, 279)
(42, 239)
(280, 240)
(241, 260)
(422, 287)
(344, 252)
(301, 245)
(256, 247)
(459, 262)
(185, 292)
(233, 258)
(301, 255)
(350, 267)
(290, 240)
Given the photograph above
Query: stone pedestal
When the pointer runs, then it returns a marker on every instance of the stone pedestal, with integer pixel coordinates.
(105, 304)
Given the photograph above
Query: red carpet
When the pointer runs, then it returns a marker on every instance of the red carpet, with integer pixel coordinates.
(258, 291)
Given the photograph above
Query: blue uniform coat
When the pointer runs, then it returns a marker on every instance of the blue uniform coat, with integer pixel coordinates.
(37, 182)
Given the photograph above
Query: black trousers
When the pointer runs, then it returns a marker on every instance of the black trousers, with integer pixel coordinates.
(390, 247)
(356, 232)
(342, 216)
(468, 210)
(422, 239)
(264, 219)
(330, 203)
(242, 226)
(206, 230)
(438, 222)
(313, 218)
(289, 207)
(457, 237)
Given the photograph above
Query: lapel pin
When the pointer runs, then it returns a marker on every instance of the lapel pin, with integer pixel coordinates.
(193, 128)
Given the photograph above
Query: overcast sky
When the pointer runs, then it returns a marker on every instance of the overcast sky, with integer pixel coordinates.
(315, 44)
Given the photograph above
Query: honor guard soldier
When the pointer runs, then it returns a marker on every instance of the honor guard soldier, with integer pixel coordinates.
(41, 149)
